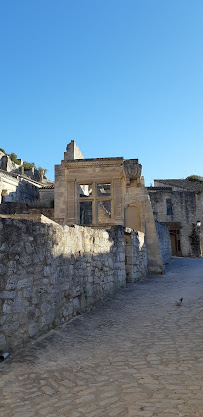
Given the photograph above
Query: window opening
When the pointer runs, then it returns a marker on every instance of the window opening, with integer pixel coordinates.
(85, 212)
(85, 190)
(103, 190)
(169, 207)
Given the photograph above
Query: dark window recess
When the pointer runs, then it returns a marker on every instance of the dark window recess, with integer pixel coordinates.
(169, 207)
(86, 212)
(178, 239)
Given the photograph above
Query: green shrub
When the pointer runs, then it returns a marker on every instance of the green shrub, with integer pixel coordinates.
(40, 169)
(195, 178)
(2, 150)
(14, 158)
(28, 165)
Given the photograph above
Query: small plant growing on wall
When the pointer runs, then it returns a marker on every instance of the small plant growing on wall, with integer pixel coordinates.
(28, 165)
(44, 170)
(2, 150)
(195, 178)
(14, 158)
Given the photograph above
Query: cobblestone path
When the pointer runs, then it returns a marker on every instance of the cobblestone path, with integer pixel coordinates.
(136, 355)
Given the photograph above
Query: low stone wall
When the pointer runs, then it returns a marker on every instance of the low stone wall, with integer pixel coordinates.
(22, 208)
(48, 212)
(50, 273)
(135, 255)
(164, 242)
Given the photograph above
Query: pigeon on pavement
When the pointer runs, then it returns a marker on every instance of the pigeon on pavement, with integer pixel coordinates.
(179, 302)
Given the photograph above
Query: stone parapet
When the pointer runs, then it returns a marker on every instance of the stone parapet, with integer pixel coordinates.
(50, 273)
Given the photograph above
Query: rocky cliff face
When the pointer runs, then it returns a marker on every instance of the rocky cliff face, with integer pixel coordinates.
(6, 164)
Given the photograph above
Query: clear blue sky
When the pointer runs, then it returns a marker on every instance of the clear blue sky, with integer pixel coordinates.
(120, 77)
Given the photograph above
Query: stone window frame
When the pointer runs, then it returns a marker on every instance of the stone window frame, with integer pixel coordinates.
(94, 198)
(169, 207)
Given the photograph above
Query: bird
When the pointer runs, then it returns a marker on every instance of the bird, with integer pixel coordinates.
(179, 302)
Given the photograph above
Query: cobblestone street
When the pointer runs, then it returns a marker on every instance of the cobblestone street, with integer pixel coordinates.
(134, 355)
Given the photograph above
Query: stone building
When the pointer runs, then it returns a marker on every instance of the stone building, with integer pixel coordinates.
(103, 235)
(15, 187)
(179, 204)
(103, 193)
(21, 186)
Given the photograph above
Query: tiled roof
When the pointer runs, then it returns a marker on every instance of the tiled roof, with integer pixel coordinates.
(159, 188)
(18, 175)
(9, 174)
(45, 187)
(184, 184)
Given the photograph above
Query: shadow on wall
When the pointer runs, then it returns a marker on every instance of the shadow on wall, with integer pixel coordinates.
(25, 192)
(196, 241)
(51, 273)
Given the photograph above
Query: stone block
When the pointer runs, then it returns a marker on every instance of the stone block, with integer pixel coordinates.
(122, 257)
(8, 294)
(33, 329)
(47, 271)
(2, 269)
(2, 342)
(10, 327)
(11, 283)
(44, 307)
(29, 248)
(26, 282)
(26, 260)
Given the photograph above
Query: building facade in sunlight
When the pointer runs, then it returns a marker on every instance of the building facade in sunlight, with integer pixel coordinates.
(102, 193)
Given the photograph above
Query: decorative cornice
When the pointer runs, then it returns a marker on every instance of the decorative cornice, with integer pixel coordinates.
(86, 163)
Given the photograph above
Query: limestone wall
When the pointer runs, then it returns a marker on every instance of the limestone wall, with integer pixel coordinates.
(72, 152)
(46, 197)
(50, 273)
(164, 242)
(138, 200)
(136, 255)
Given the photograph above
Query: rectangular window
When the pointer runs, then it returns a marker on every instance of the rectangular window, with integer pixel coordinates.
(85, 190)
(169, 207)
(94, 203)
(85, 212)
(104, 211)
(103, 190)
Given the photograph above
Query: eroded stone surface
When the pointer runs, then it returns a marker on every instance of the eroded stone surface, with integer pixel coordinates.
(135, 355)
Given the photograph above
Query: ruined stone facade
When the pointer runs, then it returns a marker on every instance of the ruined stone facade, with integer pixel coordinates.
(104, 192)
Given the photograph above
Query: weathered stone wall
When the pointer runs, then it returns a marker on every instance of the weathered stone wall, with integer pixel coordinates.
(22, 208)
(164, 242)
(46, 197)
(48, 212)
(186, 209)
(72, 152)
(135, 255)
(138, 200)
(18, 189)
(6, 163)
(49, 273)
